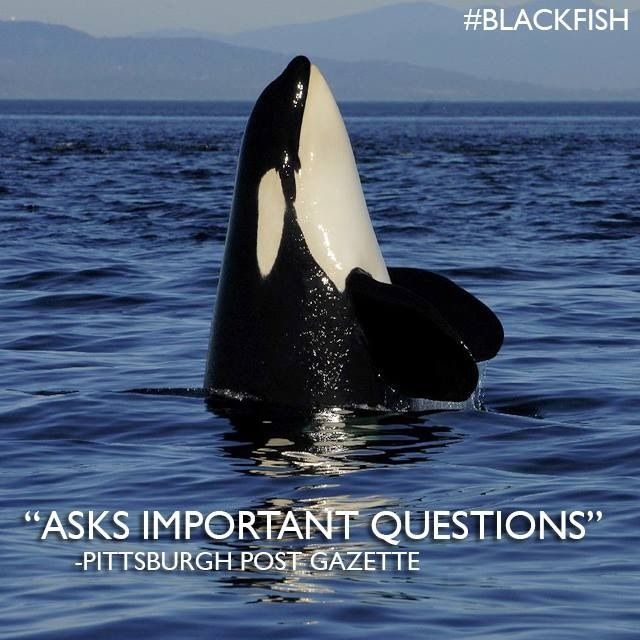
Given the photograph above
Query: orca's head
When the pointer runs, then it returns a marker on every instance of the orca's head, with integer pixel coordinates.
(296, 160)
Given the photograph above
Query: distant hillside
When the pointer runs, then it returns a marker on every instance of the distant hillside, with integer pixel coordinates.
(180, 33)
(432, 35)
(50, 61)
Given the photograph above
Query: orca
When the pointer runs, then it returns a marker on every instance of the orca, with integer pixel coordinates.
(307, 314)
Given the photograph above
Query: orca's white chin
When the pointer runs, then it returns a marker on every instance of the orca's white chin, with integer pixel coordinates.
(330, 205)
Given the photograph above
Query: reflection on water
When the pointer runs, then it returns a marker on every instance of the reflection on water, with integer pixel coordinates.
(326, 446)
(333, 442)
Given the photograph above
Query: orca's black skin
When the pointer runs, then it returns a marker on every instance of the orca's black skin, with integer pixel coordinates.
(291, 338)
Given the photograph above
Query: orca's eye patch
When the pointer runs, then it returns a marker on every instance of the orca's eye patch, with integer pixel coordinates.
(271, 209)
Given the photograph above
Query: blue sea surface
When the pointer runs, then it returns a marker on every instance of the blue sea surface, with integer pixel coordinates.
(112, 224)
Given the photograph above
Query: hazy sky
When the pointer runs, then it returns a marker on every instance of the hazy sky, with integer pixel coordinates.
(119, 17)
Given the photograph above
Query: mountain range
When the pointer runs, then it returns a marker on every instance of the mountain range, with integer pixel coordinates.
(432, 35)
(415, 51)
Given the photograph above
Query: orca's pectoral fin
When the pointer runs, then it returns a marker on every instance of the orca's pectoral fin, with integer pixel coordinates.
(470, 318)
(416, 350)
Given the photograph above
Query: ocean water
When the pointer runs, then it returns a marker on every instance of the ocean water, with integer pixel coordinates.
(112, 224)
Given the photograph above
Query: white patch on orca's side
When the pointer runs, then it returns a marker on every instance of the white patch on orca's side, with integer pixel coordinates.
(271, 208)
(330, 206)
